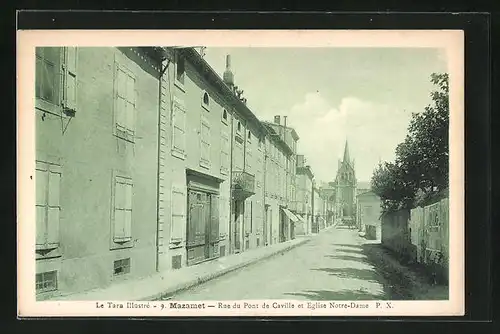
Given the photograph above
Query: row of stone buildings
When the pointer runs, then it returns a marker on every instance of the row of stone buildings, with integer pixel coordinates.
(147, 160)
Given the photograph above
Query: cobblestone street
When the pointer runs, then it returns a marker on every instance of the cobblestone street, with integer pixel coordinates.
(330, 267)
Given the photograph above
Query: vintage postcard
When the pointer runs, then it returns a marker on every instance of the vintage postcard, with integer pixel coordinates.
(240, 173)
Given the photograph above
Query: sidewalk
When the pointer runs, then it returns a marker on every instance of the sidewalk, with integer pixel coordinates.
(404, 281)
(161, 285)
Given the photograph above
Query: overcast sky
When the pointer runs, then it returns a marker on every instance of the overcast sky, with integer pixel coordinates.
(366, 95)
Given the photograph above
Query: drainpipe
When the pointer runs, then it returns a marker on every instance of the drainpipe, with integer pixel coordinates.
(231, 200)
(158, 167)
(312, 204)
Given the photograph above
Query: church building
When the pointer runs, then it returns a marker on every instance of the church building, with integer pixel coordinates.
(345, 188)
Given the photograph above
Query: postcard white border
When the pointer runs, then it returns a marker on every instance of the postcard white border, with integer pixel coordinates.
(452, 41)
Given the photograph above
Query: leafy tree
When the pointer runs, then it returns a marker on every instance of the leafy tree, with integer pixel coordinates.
(421, 165)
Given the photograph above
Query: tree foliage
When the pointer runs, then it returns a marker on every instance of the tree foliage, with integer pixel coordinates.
(420, 169)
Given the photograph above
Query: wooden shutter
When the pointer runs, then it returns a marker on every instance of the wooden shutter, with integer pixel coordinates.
(249, 157)
(127, 224)
(224, 163)
(123, 209)
(258, 175)
(119, 218)
(179, 124)
(130, 103)
(248, 216)
(70, 77)
(238, 159)
(42, 179)
(205, 140)
(178, 215)
(53, 206)
(224, 215)
(125, 99)
(214, 218)
(48, 74)
(193, 214)
(120, 98)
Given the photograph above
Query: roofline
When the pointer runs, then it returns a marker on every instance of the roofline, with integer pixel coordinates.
(276, 137)
(307, 170)
(208, 72)
(293, 132)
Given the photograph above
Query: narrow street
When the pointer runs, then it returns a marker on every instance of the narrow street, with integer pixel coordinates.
(330, 267)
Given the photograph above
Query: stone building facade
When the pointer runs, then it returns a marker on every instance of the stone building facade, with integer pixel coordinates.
(147, 161)
(96, 166)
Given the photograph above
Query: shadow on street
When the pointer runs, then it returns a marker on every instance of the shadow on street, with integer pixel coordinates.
(348, 246)
(338, 295)
(352, 251)
(353, 273)
(348, 258)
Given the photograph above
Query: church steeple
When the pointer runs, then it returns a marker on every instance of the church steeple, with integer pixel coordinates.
(228, 76)
(346, 154)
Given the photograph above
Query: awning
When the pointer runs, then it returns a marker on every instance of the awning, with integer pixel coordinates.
(290, 215)
(301, 219)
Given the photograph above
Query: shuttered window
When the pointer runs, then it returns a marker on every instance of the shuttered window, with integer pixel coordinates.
(124, 102)
(248, 160)
(258, 172)
(248, 216)
(214, 218)
(56, 77)
(179, 129)
(205, 143)
(48, 179)
(48, 74)
(122, 223)
(177, 230)
(70, 81)
(224, 157)
(224, 215)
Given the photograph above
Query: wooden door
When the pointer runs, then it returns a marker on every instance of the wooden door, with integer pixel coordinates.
(197, 221)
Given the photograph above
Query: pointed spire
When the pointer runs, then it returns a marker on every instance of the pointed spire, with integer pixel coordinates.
(346, 153)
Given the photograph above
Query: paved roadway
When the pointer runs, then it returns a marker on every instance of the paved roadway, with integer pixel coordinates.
(330, 267)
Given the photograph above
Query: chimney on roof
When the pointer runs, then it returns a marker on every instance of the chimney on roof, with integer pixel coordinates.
(228, 76)
(277, 119)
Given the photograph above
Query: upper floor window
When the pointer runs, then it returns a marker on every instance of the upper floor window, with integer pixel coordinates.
(205, 101)
(56, 69)
(249, 137)
(238, 128)
(224, 116)
(125, 102)
(48, 64)
(180, 72)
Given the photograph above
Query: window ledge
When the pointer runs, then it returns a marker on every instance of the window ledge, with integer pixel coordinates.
(180, 85)
(224, 171)
(125, 136)
(47, 252)
(178, 154)
(205, 164)
(116, 244)
(176, 243)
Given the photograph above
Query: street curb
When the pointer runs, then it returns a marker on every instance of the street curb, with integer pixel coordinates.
(200, 280)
